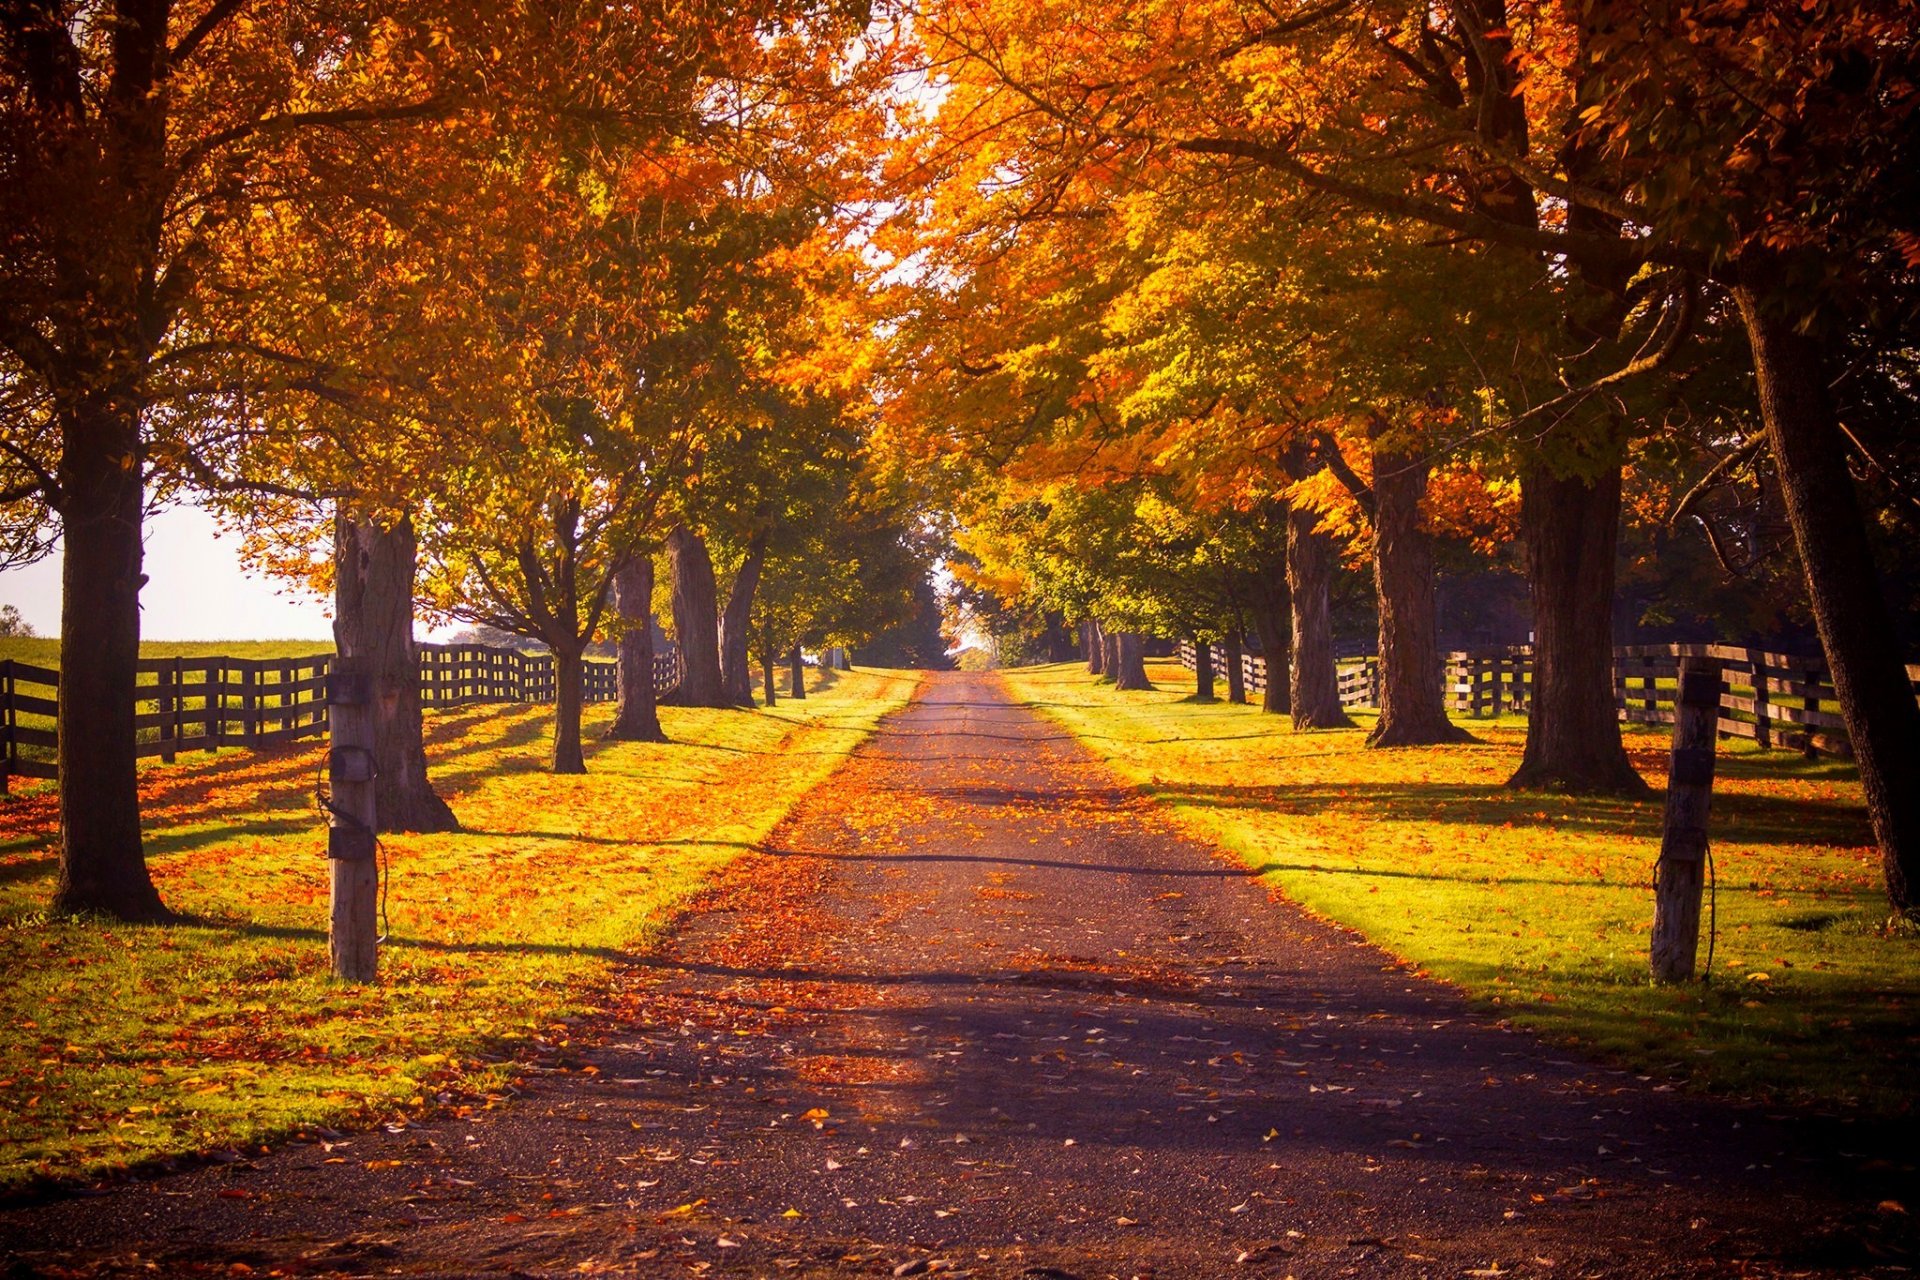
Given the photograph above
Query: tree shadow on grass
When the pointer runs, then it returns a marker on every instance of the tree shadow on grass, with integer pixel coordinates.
(1737, 818)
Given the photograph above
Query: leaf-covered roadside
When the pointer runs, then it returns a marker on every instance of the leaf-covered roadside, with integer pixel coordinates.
(1540, 904)
(126, 1044)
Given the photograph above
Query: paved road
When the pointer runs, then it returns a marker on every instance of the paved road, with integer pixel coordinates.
(980, 1009)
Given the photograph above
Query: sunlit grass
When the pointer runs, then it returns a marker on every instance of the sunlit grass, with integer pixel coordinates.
(124, 1044)
(1540, 903)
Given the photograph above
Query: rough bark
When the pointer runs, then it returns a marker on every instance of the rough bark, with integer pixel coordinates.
(1272, 622)
(1236, 648)
(736, 622)
(568, 662)
(373, 621)
(695, 621)
(1572, 526)
(1413, 709)
(796, 673)
(1203, 671)
(1110, 652)
(1313, 680)
(1829, 529)
(635, 716)
(1096, 645)
(1130, 662)
(102, 863)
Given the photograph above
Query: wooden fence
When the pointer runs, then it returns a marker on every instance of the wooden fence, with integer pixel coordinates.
(203, 704)
(1777, 699)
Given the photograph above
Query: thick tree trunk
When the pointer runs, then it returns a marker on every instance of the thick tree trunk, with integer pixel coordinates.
(1130, 662)
(1096, 645)
(736, 621)
(102, 863)
(1109, 652)
(1572, 530)
(567, 673)
(1236, 648)
(695, 621)
(1863, 653)
(1413, 709)
(635, 716)
(1313, 680)
(1272, 621)
(1203, 671)
(796, 673)
(373, 621)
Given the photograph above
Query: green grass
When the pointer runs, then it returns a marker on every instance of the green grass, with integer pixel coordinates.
(125, 1044)
(1540, 904)
(44, 651)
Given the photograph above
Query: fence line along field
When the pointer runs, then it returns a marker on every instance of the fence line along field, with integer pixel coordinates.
(1763, 695)
(206, 696)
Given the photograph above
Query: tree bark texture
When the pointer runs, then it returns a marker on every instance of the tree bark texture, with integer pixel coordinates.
(1130, 665)
(102, 862)
(1313, 680)
(796, 673)
(1096, 643)
(1236, 649)
(767, 664)
(1413, 708)
(1272, 624)
(373, 621)
(567, 673)
(695, 621)
(736, 622)
(1572, 527)
(1110, 652)
(1203, 671)
(1829, 529)
(635, 717)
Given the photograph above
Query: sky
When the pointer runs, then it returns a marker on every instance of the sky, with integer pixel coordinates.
(196, 589)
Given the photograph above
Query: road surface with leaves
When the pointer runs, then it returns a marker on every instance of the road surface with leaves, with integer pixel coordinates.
(978, 1008)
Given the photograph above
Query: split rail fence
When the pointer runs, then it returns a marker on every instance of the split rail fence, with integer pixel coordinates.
(1777, 699)
(203, 704)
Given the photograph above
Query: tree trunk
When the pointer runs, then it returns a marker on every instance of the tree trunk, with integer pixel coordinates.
(736, 622)
(1130, 666)
(567, 673)
(1203, 671)
(1572, 530)
(373, 621)
(1096, 647)
(1313, 680)
(1236, 667)
(102, 863)
(796, 673)
(1413, 709)
(695, 621)
(635, 717)
(767, 664)
(1272, 620)
(1110, 652)
(1863, 653)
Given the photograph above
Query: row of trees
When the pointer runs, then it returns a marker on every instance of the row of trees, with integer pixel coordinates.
(1203, 292)
(473, 308)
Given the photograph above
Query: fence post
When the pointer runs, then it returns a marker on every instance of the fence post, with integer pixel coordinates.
(1679, 875)
(1650, 687)
(9, 750)
(167, 700)
(352, 934)
(1813, 707)
(250, 706)
(216, 704)
(1762, 714)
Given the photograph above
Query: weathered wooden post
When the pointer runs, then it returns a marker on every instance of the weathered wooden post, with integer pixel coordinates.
(1762, 712)
(1680, 874)
(167, 704)
(10, 747)
(351, 822)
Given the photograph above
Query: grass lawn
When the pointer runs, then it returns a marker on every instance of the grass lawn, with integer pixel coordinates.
(125, 1044)
(44, 651)
(1540, 903)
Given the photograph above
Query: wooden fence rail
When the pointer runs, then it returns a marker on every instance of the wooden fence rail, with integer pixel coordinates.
(203, 704)
(1777, 699)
